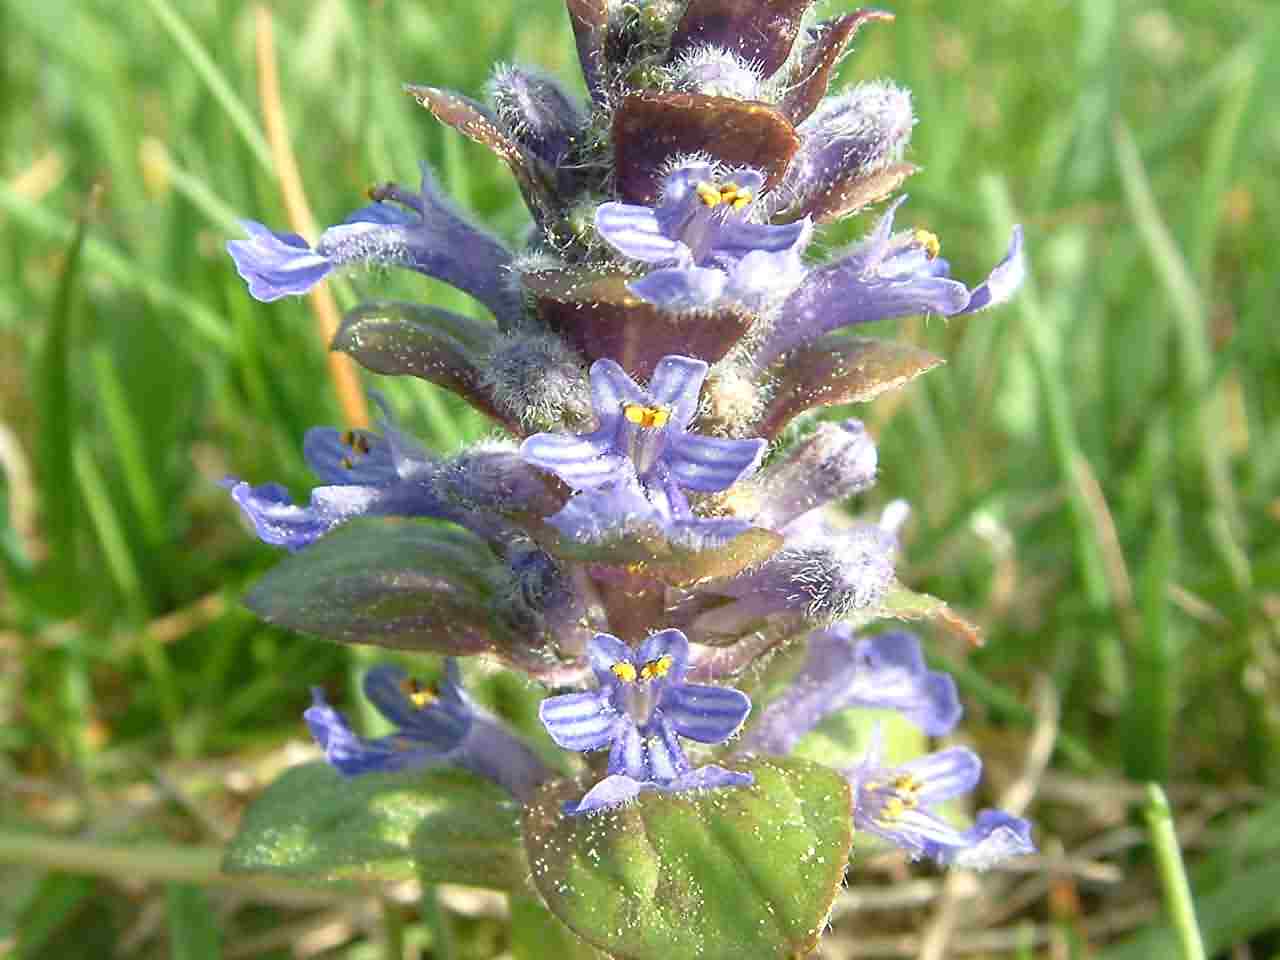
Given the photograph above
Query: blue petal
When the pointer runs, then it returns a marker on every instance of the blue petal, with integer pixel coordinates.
(891, 673)
(441, 725)
(676, 383)
(278, 521)
(996, 836)
(353, 755)
(603, 651)
(606, 513)
(1005, 278)
(945, 774)
(583, 461)
(635, 232)
(276, 265)
(707, 464)
(707, 777)
(618, 789)
(613, 791)
(611, 389)
(704, 713)
(628, 755)
(738, 238)
(916, 831)
(679, 185)
(680, 288)
(339, 463)
(580, 721)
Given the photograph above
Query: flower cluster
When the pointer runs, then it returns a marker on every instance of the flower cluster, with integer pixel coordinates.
(669, 506)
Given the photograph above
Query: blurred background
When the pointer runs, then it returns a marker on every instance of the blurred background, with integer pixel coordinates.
(1093, 474)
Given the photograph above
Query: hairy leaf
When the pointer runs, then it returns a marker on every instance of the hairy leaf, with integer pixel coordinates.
(732, 873)
(436, 825)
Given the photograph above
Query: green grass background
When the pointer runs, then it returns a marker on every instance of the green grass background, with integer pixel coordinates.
(1094, 473)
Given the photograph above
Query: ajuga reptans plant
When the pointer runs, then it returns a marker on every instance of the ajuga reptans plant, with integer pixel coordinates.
(658, 536)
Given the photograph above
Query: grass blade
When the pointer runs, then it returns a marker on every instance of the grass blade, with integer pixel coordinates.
(191, 48)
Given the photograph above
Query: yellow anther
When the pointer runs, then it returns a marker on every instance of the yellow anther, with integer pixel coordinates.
(624, 671)
(715, 194)
(417, 694)
(347, 463)
(708, 193)
(932, 245)
(906, 783)
(356, 442)
(894, 808)
(647, 418)
(656, 669)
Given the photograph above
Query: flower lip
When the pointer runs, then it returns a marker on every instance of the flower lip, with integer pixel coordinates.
(640, 709)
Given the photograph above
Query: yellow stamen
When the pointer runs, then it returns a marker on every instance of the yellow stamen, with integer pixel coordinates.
(347, 463)
(932, 245)
(647, 418)
(624, 671)
(708, 193)
(656, 669)
(894, 808)
(906, 783)
(715, 194)
(417, 694)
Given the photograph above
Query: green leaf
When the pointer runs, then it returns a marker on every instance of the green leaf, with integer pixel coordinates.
(409, 585)
(193, 928)
(899, 603)
(536, 934)
(731, 873)
(435, 825)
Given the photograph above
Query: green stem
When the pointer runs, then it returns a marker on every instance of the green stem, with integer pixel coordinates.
(436, 919)
(162, 863)
(1173, 877)
(392, 930)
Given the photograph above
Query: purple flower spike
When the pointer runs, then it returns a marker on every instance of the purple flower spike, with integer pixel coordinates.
(639, 711)
(699, 237)
(896, 804)
(887, 275)
(845, 671)
(433, 727)
(645, 432)
(427, 235)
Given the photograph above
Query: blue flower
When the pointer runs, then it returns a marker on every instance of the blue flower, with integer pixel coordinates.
(433, 727)
(897, 804)
(704, 245)
(887, 275)
(640, 709)
(364, 475)
(427, 235)
(430, 725)
(620, 512)
(643, 433)
(845, 671)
